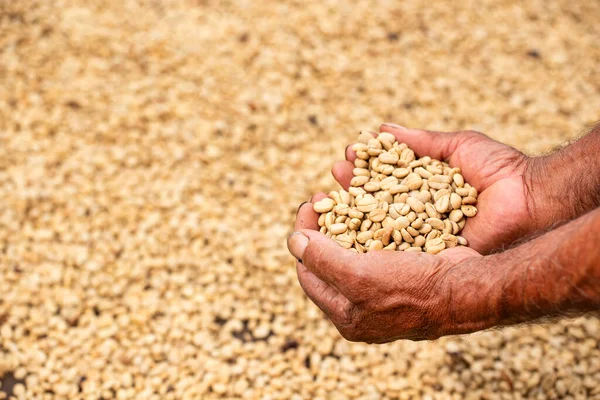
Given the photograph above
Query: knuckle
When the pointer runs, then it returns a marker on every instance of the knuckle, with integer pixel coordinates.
(348, 314)
(356, 288)
(341, 310)
(349, 324)
(357, 276)
(466, 138)
(472, 133)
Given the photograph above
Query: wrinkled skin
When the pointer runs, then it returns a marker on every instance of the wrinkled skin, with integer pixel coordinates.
(383, 296)
(506, 210)
(380, 296)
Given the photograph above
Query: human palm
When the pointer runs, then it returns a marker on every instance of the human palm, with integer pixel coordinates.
(496, 170)
(363, 294)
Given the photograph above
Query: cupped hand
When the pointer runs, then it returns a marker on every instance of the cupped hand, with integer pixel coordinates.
(382, 296)
(499, 173)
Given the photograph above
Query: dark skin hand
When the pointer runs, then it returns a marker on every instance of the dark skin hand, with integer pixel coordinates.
(384, 296)
(363, 294)
(514, 189)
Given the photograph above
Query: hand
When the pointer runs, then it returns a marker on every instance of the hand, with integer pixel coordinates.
(506, 211)
(382, 296)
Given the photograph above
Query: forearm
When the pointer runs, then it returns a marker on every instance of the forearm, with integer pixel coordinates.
(565, 184)
(555, 274)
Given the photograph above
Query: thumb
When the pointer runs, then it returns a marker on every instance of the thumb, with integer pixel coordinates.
(438, 145)
(322, 256)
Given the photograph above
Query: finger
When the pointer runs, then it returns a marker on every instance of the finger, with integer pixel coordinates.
(342, 172)
(317, 197)
(307, 218)
(437, 145)
(458, 254)
(324, 257)
(326, 297)
(350, 154)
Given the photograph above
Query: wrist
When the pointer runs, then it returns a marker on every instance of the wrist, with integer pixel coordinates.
(554, 274)
(563, 185)
(471, 295)
(548, 202)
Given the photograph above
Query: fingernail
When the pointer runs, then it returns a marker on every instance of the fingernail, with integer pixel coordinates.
(394, 126)
(300, 206)
(297, 243)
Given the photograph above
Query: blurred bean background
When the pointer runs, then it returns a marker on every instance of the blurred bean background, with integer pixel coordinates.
(153, 154)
